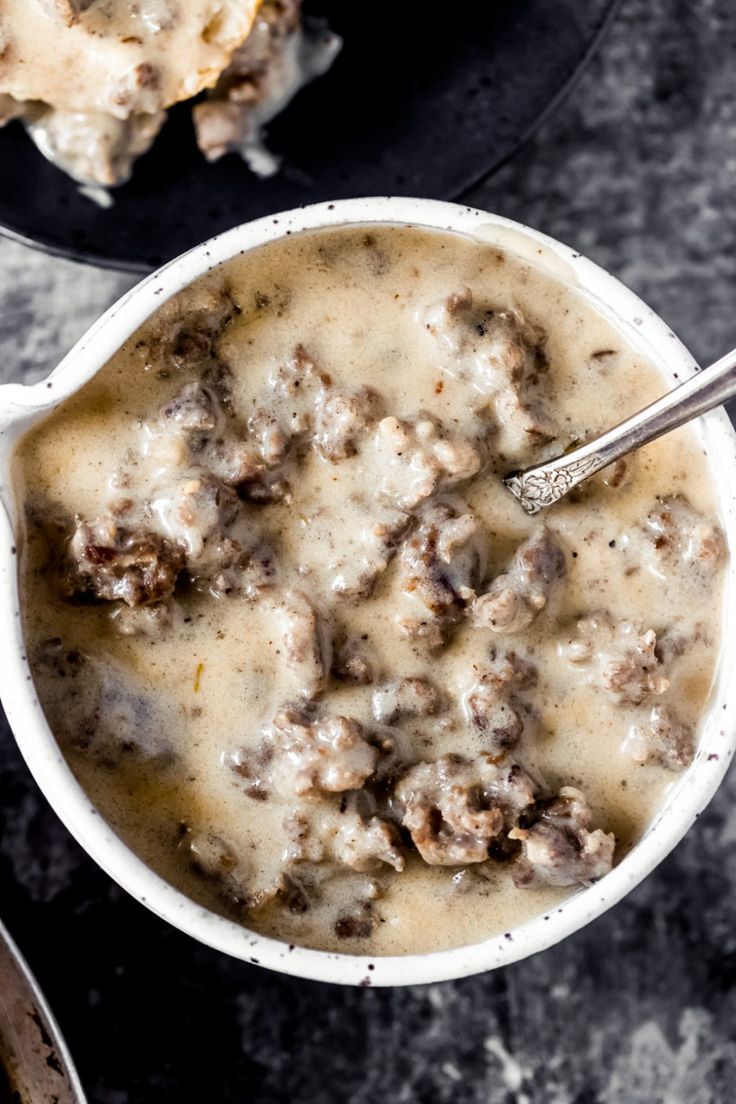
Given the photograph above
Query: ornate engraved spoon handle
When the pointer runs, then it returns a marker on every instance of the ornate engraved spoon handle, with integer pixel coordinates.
(538, 487)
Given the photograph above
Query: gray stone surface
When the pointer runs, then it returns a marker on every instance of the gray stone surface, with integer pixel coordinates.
(638, 170)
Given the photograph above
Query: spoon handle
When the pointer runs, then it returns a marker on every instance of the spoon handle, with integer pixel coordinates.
(545, 484)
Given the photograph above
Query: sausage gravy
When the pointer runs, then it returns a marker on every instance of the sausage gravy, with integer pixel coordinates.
(301, 648)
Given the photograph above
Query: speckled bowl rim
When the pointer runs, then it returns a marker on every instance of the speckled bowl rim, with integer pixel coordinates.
(22, 406)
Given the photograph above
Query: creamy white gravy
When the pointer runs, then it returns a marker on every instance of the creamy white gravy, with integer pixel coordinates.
(116, 58)
(612, 652)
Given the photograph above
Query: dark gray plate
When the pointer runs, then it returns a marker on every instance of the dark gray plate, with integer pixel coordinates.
(425, 99)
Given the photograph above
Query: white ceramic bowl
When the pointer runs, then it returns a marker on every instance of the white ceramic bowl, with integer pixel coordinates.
(21, 407)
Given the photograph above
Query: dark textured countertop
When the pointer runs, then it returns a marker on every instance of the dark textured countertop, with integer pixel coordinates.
(638, 170)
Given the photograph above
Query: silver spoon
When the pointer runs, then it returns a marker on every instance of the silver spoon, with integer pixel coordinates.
(546, 484)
